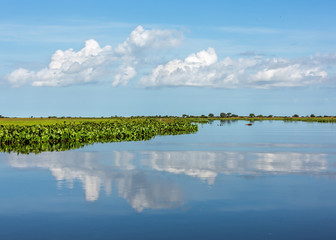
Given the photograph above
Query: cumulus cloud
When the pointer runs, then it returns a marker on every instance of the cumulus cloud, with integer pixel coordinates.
(189, 72)
(124, 74)
(20, 76)
(94, 63)
(140, 39)
(119, 65)
(204, 70)
(67, 67)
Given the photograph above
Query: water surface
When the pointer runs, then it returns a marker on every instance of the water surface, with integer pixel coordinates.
(272, 180)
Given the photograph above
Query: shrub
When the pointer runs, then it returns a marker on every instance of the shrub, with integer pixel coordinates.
(223, 115)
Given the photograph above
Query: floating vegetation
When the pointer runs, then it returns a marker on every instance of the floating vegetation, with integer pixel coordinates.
(65, 136)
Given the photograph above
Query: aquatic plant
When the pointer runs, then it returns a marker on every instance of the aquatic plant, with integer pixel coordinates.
(38, 138)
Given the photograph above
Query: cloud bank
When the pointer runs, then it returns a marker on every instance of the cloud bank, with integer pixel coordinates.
(202, 69)
(117, 66)
(94, 63)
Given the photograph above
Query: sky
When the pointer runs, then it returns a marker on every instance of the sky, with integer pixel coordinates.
(138, 58)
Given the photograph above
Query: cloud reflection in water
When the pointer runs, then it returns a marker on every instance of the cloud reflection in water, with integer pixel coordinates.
(136, 186)
(136, 179)
(207, 165)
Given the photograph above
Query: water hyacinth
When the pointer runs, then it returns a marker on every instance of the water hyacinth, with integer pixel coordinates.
(55, 137)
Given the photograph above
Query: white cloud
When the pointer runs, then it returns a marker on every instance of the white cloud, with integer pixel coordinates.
(118, 66)
(289, 76)
(202, 69)
(125, 73)
(20, 76)
(327, 59)
(189, 72)
(155, 38)
(94, 63)
(67, 67)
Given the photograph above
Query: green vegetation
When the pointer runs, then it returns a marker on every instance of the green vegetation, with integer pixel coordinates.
(263, 118)
(259, 117)
(26, 135)
(51, 120)
(30, 137)
(223, 115)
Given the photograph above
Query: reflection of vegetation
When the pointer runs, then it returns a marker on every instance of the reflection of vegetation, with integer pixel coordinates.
(39, 147)
(58, 137)
(227, 122)
(262, 118)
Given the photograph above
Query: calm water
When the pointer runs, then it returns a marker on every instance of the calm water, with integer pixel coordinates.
(273, 180)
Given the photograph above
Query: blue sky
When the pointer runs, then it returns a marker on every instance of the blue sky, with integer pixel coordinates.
(106, 58)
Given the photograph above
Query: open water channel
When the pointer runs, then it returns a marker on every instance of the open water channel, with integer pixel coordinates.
(271, 180)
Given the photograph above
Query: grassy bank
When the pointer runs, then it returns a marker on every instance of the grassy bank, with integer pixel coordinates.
(302, 119)
(37, 135)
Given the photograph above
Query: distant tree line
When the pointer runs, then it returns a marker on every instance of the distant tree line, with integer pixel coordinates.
(251, 115)
(210, 115)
